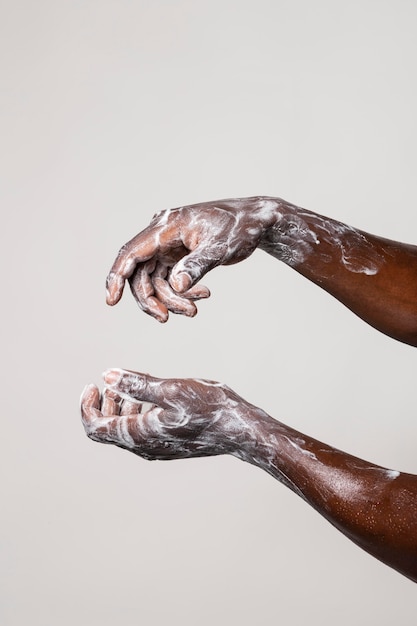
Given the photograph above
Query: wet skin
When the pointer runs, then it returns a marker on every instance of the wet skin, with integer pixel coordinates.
(376, 278)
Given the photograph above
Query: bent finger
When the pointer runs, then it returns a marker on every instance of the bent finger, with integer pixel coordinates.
(130, 408)
(191, 268)
(110, 404)
(97, 427)
(143, 292)
(168, 297)
(138, 250)
(90, 404)
(198, 292)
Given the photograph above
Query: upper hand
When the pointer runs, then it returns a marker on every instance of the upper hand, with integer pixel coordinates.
(187, 417)
(165, 261)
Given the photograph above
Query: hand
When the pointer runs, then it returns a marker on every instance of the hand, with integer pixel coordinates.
(187, 418)
(165, 261)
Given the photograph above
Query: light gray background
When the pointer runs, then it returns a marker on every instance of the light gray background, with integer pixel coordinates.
(111, 111)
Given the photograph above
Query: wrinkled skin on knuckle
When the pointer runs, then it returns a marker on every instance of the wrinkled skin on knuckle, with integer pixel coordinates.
(132, 384)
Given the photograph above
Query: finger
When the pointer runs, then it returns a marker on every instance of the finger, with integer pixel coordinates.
(110, 404)
(98, 427)
(198, 292)
(165, 294)
(90, 404)
(191, 268)
(138, 250)
(130, 385)
(95, 425)
(143, 292)
(129, 408)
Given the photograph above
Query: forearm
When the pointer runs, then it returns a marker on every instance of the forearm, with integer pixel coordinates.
(374, 507)
(374, 277)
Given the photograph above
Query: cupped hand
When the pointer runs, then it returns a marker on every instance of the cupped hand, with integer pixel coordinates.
(164, 262)
(186, 417)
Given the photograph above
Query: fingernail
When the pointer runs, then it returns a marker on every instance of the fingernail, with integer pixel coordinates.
(112, 377)
(109, 297)
(114, 288)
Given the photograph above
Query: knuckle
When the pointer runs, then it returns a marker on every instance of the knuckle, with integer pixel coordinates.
(173, 389)
(131, 384)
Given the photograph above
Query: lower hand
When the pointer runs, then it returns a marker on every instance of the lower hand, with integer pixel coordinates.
(187, 417)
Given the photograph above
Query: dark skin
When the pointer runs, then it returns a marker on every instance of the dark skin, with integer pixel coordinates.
(376, 278)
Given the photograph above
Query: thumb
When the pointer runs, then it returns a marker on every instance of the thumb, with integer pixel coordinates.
(191, 268)
(128, 384)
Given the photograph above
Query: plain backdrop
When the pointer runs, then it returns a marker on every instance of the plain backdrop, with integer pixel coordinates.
(112, 110)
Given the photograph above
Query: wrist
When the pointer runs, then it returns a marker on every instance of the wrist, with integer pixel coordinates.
(287, 236)
(287, 233)
(249, 434)
(269, 445)
(266, 211)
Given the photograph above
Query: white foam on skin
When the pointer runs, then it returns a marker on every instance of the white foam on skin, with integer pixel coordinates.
(385, 473)
(303, 451)
(200, 417)
(392, 474)
(214, 232)
(292, 237)
(123, 432)
(266, 208)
